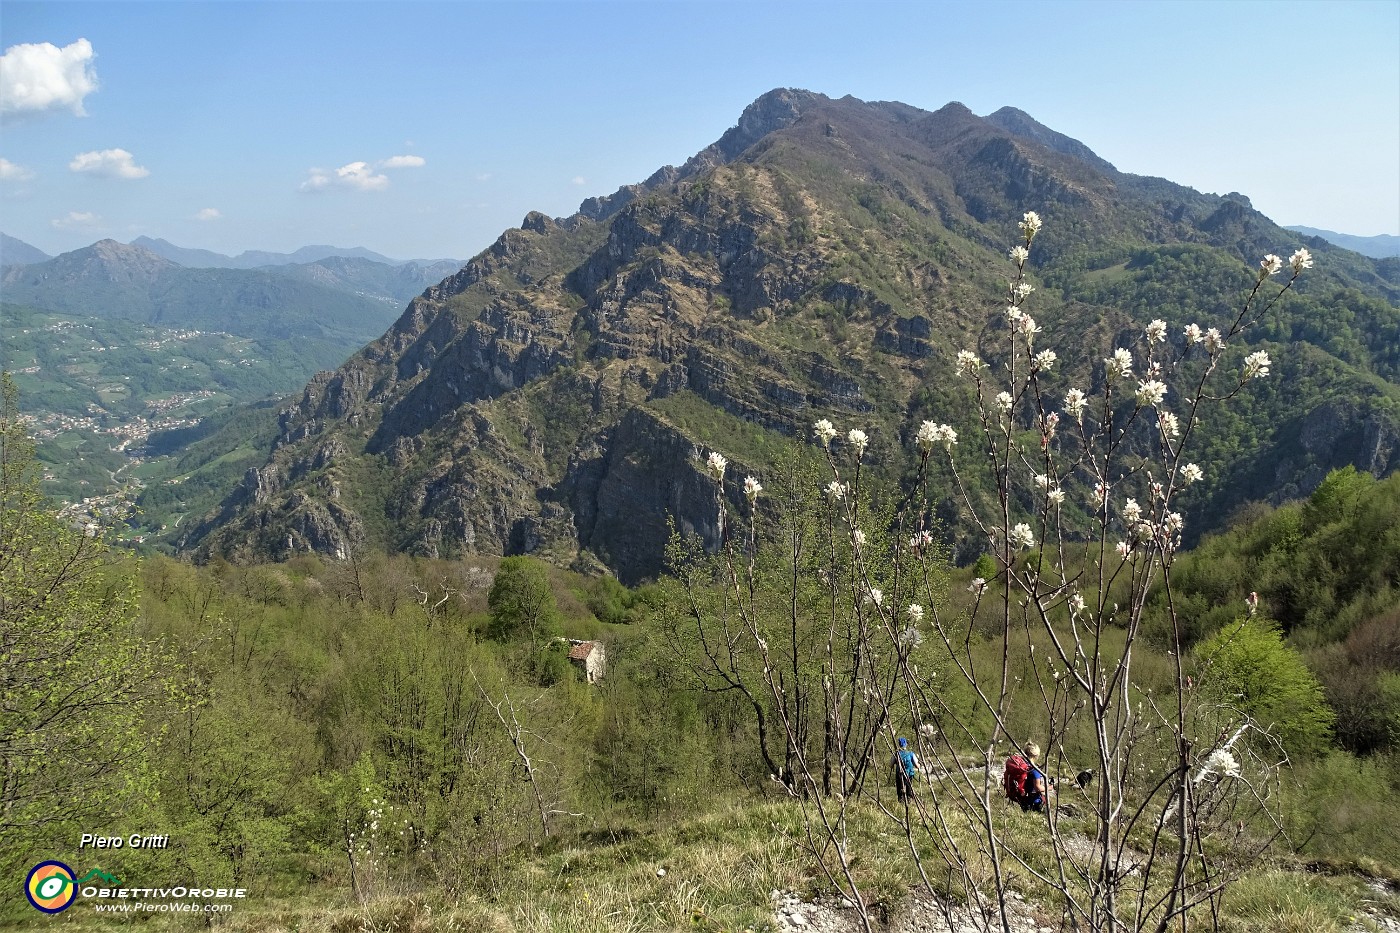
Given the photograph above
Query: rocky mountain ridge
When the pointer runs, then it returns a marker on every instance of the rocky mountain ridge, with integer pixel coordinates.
(824, 258)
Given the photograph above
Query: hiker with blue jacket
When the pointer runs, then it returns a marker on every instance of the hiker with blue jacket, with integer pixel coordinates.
(906, 765)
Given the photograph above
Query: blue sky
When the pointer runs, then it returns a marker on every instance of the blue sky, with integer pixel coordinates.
(421, 130)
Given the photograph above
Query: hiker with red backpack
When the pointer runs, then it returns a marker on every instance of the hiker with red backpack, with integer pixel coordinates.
(1023, 780)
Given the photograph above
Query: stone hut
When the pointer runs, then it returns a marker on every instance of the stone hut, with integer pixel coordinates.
(589, 657)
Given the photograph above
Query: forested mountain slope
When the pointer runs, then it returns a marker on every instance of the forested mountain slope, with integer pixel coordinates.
(825, 258)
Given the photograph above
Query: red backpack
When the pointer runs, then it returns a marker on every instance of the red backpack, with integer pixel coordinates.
(1014, 778)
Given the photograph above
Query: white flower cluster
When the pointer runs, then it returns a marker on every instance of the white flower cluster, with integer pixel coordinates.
(1022, 536)
(1151, 392)
(969, 364)
(1119, 365)
(825, 432)
(836, 490)
(1220, 762)
(1256, 365)
(858, 440)
(716, 465)
(916, 613)
(930, 434)
(752, 488)
(1030, 225)
(1075, 401)
(1157, 331)
(1300, 260)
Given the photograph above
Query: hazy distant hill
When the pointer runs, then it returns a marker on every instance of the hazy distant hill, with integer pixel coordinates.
(1377, 247)
(111, 279)
(824, 258)
(253, 259)
(395, 284)
(18, 252)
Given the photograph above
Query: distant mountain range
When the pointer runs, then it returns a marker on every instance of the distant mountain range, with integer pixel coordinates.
(1377, 247)
(256, 259)
(117, 280)
(31, 277)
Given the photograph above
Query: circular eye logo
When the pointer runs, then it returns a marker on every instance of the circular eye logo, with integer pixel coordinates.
(50, 887)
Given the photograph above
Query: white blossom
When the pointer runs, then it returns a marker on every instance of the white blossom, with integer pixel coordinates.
(1030, 225)
(858, 537)
(1076, 603)
(916, 612)
(910, 638)
(752, 488)
(1157, 331)
(921, 540)
(1019, 255)
(969, 363)
(875, 596)
(1005, 401)
(1171, 427)
(1123, 549)
(1175, 522)
(1022, 289)
(1269, 265)
(1075, 400)
(978, 585)
(1191, 473)
(1220, 762)
(1042, 481)
(1256, 365)
(836, 490)
(1021, 536)
(716, 464)
(1014, 314)
(858, 440)
(1120, 364)
(825, 431)
(1056, 496)
(930, 434)
(923, 439)
(1151, 392)
(1028, 327)
(1213, 341)
(1045, 359)
(1300, 260)
(1131, 511)
(1192, 333)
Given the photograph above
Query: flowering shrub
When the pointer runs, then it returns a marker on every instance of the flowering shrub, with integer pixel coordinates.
(834, 670)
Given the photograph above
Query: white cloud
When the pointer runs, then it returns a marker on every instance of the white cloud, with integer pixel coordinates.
(579, 180)
(36, 77)
(108, 163)
(209, 213)
(484, 176)
(357, 175)
(9, 171)
(404, 161)
(77, 220)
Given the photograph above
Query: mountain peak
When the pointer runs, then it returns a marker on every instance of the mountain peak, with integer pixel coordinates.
(1019, 123)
